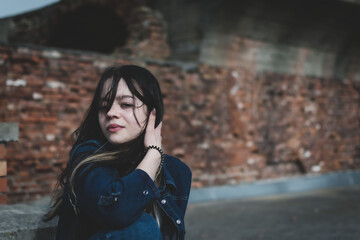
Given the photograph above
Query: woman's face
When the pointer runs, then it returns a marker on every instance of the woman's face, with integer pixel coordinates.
(119, 124)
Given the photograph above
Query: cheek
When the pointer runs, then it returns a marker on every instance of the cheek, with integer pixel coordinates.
(141, 115)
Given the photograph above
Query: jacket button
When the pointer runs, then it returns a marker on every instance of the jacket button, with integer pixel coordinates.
(145, 192)
(163, 201)
(178, 222)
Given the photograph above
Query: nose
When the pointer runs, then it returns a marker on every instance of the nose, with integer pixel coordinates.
(114, 111)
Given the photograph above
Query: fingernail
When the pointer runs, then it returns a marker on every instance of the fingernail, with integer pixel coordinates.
(153, 111)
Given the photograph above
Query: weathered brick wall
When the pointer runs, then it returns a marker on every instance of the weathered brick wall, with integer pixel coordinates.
(229, 125)
(128, 27)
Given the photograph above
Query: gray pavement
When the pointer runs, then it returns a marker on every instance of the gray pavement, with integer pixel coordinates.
(332, 214)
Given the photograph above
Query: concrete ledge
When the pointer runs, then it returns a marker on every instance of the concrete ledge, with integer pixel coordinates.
(276, 186)
(23, 221)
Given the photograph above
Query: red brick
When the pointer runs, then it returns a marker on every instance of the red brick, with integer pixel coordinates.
(3, 168)
(3, 199)
(3, 184)
(2, 151)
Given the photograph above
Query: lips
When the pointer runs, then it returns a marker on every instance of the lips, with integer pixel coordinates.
(114, 128)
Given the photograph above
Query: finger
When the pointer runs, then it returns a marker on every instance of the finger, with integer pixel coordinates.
(159, 126)
(158, 129)
(151, 122)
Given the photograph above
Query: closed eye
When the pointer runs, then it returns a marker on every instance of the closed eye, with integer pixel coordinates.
(126, 105)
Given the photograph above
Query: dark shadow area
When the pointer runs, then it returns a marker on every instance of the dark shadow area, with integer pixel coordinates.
(326, 25)
(91, 28)
(320, 24)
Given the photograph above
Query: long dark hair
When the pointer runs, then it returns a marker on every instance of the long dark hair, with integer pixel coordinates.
(143, 85)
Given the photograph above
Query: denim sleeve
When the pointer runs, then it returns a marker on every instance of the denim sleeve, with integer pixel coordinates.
(187, 175)
(182, 176)
(115, 201)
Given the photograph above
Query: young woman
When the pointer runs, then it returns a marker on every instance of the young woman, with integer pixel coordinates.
(118, 183)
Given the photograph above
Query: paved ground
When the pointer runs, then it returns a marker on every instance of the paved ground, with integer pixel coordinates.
(318, 215)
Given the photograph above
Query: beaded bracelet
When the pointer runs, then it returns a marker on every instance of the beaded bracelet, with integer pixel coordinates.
(157, 148)
(162, 158)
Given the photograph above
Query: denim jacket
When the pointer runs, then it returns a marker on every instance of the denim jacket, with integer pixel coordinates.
(106, 201)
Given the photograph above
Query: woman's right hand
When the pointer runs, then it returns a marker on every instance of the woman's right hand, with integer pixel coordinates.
(152, 159)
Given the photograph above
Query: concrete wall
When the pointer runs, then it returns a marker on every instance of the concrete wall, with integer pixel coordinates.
(310, 38)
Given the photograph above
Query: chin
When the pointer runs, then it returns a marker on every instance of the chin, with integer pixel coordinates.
(115, 141)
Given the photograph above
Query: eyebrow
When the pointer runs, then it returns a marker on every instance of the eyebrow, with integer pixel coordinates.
(119, 97)
(124, 96)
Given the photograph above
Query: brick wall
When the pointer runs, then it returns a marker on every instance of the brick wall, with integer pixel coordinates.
(128, 27)
(229, 125)
(265, 36)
